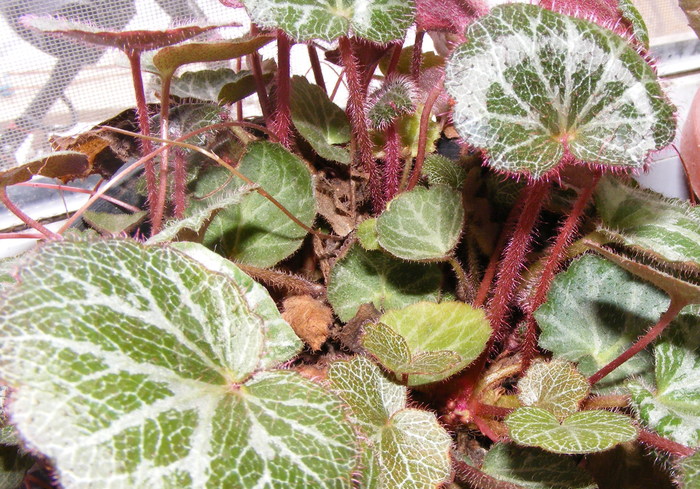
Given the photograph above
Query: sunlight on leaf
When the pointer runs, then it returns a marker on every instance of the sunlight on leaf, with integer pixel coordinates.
(555, 386)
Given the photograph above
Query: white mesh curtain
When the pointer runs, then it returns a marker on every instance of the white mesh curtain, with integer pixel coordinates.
(50, 85)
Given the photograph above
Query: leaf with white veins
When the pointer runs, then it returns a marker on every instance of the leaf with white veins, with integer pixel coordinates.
(555, 386)
(536, 89)
(138, 366)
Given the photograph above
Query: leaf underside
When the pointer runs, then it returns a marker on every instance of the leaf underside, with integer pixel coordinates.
(536, 88)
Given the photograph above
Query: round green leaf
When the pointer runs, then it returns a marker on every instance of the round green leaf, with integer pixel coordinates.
(422, 224)
(443, 171)
(137, 366)
(582, 432)
(377, 20)
(536, 88)
(255, 232)
(427, 327)
(595, 311)
(534, 469)
(555, 386)
(372, 276)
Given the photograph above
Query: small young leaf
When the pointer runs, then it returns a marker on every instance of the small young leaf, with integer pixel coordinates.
(673, 408)
(555, 386)
(405, 448)
(367, 234)
(321, 122)
(667, 229)
(582, 432)
(443, 171)
(392, 351)
(536, 88)
(138, 366)
(448, 327)
(534, 469)
(594, 312)
(689, 472)
(396, 97)
(635, 19)
(255, 232)
(372, 276)
(376, 20)
(422, 224)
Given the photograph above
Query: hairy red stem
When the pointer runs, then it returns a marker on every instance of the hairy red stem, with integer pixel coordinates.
(417, 56)
(180, 184)
(674, 308)
(5, 199)
(564, 237)
(316, 67)
(478, 479)
(281, 123)
(392, 162)
(395, 57)
(256, 67)
(514, 256)
(158, 207)
(142, 114)
(356, 114)
(239, 104)
(423, 133)
(668, 446)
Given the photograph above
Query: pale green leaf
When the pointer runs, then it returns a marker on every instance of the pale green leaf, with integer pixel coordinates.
(582, 432)
(372, 276)
(391, 350)
(668, 229)
(367, 234)
(198, 217)
(113, 224)
(376, 20)
(443, 171)
(371, 397)
(138, 366)
(446, 327)
(321, 122)
(555, 386)
(594, 312)
(256, 232)
(531, 468)
(689, 476)
(672, 409)
(422, 224)
(404, 448)
(536, 88)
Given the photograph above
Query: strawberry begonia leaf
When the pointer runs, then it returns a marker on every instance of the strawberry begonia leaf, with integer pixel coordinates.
(427, 342)
(388, 283)
(595, 311)
(689, 472)
(405, 448)
(672, 407)
(135, 366)
(582, 432)
(536, 89)
(531, 468)
(555, 386)
(376, 20)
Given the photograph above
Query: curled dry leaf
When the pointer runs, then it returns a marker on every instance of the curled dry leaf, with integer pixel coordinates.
(309, 317)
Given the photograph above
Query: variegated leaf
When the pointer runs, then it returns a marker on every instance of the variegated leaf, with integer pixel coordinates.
(668, 229)
(582, 432)
(536, 88)
(405, 448)
(672, 408)
(555, 386)
(532, 468)
(376, 20)
(595, 311)
(138, 366)
(689, 472)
